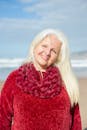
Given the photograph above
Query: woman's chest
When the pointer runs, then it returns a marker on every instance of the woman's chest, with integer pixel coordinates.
(37, 114)
(26, 103)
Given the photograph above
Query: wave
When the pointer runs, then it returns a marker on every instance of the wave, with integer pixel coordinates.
(79, 63)
(8, 63)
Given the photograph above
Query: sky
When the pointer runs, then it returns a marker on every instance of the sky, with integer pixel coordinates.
(22, 20)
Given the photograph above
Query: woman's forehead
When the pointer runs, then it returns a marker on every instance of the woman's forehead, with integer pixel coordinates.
(53, 38)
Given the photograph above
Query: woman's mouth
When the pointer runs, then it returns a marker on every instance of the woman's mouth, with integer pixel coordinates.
(44, 57)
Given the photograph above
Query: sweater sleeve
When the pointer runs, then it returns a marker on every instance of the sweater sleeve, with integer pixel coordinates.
(6, 103)
(76, 118)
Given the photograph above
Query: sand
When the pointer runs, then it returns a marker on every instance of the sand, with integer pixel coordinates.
(1, 84)
(83, 100)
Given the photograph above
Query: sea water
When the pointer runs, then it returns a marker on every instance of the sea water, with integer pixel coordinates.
(79, 67)
(4, 72)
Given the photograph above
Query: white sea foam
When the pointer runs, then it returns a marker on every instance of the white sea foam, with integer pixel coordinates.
(17, 62)
(79, 63)
(10, 62)
(8, 65)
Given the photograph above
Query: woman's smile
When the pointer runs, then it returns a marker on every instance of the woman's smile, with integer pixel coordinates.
(44, 56)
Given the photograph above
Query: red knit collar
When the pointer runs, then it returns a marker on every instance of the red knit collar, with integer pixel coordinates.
(30, 81)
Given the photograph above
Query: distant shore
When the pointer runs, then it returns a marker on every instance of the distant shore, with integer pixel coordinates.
(83, 98)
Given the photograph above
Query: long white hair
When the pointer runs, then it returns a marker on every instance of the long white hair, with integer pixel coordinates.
(63, 62)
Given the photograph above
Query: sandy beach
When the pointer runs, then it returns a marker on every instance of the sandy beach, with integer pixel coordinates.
(83, 102)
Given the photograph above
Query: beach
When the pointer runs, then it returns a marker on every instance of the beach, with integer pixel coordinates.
(83, 101)
(83, 98)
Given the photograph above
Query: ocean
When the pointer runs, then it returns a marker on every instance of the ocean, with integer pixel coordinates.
(8, 65)
(4, 72)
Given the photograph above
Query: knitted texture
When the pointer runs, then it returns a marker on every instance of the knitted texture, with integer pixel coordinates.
(31, 81)
(21, 110)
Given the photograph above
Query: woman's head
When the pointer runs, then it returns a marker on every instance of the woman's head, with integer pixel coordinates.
(47, 51)
(58, 42)
(62, 61)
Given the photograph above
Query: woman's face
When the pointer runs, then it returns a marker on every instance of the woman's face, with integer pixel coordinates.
(46, 52)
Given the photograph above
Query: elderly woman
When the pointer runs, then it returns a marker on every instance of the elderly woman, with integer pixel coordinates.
(42, 94)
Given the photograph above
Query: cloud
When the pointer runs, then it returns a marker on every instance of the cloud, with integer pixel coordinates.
(55, 14)
(25, 1)
(17, 30)
(63, 7)
(45, 6)
(84, 6)
(47, 12)
(55, 10)
(39, 1)
(13, 23)
(63, 14)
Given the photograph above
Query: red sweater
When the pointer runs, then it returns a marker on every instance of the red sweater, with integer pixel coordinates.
(22, 111)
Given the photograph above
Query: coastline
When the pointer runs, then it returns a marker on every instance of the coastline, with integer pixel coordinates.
(83, 96)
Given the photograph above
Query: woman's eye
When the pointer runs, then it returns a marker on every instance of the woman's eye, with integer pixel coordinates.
(54, 51)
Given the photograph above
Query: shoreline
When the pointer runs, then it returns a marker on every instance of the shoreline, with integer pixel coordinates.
(83, 96)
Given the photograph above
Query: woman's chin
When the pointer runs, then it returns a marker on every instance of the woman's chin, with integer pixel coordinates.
(43, 65)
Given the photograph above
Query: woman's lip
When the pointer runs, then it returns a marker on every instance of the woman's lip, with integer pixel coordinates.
(44, 57)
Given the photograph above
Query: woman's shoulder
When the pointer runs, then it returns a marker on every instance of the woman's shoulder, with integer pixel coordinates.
(12, 75)
(9, 83)
(12, 79)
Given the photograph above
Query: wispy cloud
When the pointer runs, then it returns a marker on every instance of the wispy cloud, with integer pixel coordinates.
(84, 5)
(48, 12)
(25, 1)
(55, 10)
(53, 13)
(13, 23)
(20, 20)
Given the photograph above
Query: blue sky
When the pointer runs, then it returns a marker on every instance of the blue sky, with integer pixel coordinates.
(21, 20)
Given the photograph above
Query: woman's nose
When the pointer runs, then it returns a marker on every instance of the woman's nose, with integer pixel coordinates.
(48, 52)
